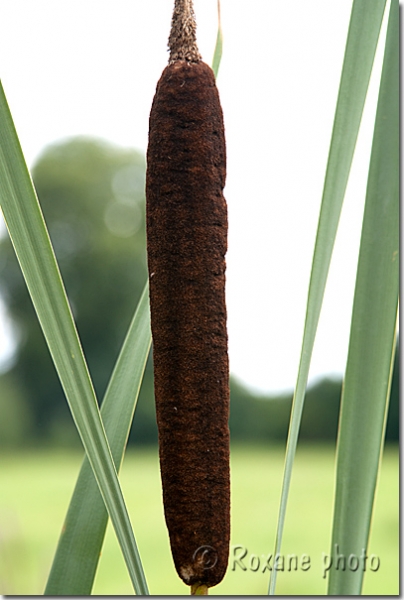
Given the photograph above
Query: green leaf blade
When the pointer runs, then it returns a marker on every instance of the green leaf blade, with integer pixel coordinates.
(372, 341)
(29, 236)
(217, 55)
(76, 559)
(364, 29)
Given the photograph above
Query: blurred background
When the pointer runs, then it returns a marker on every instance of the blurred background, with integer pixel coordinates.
(80, 78)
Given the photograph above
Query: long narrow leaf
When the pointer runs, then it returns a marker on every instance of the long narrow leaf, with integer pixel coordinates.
(364, 29)
(217, 55)
(76, 559)
(35, 254)
(372, 339)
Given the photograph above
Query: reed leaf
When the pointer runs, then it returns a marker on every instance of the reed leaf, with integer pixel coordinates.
(372, 340)
(363, 33)
(29, 236)
(217, 55)
(76, 559)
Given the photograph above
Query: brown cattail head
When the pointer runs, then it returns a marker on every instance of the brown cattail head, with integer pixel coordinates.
(186, 245)
(187, 242)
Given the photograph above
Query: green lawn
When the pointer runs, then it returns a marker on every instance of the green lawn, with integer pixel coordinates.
(35, 490)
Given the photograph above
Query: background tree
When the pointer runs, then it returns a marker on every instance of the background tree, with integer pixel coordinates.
(92, 196)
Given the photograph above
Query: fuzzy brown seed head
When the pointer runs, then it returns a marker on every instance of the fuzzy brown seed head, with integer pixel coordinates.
(186, 245)
(182, 40)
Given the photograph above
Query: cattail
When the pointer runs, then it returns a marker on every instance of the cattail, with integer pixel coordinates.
(186, 245)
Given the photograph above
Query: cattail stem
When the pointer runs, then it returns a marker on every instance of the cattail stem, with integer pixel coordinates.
(199, 589)
(182, 40)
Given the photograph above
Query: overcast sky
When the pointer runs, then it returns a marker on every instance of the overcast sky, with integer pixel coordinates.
(90, 67)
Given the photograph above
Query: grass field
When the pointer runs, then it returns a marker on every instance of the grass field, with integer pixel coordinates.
(35, 490)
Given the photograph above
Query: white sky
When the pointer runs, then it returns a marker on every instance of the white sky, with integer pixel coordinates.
(76, 67)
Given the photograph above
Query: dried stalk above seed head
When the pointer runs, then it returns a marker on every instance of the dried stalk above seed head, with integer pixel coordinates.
(182, 40)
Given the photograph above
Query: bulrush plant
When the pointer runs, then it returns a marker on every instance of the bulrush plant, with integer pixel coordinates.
(186, 217)
(186, 245)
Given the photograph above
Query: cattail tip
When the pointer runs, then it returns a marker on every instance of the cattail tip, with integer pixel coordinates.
(182, 40)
